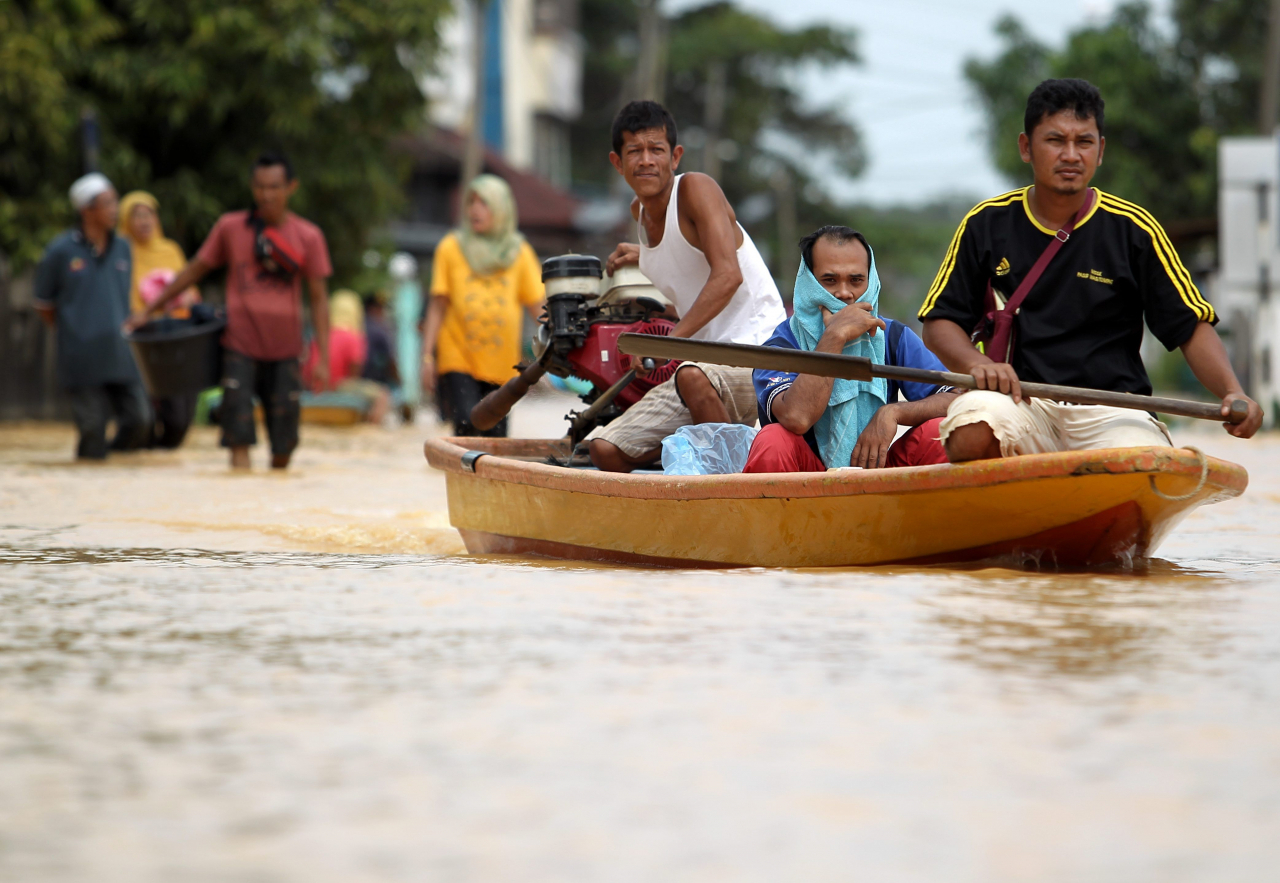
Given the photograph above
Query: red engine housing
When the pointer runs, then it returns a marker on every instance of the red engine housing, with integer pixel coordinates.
(599, 361)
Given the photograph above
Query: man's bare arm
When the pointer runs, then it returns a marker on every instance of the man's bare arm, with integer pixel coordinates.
(192, 273)
(951, 343)
(319, 289)
(926, 409)
(717, 235)
(1208, 360)
(872, 448)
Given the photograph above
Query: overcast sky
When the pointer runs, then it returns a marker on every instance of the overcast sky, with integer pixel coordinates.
(921, 122)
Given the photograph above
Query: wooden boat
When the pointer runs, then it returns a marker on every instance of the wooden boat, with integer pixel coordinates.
(1074, 509)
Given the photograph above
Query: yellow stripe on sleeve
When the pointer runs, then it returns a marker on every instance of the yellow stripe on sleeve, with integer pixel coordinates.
(953, 251)
(1168, 246)
(1173, 265)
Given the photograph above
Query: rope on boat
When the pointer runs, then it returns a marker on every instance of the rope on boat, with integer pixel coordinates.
(1204, 476)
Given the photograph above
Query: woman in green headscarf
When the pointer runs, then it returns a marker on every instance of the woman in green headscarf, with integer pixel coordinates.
(482, 274)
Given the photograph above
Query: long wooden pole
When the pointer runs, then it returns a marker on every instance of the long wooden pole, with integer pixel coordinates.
(740, 355)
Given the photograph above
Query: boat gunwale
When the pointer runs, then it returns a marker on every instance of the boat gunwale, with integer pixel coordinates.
(499, 464)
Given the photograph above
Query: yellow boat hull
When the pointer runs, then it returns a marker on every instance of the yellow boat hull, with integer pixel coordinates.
(1072, 509)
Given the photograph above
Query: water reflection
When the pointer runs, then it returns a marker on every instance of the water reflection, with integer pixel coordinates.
(204, 558)
(1081, 625)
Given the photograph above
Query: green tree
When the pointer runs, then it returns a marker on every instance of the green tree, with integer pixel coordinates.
(1224, 41)
(731, 84)
(187, 91)
(1161, 152)
(731, 80)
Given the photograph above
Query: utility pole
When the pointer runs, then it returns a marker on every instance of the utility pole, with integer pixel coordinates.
(1269, 100)
(651, 63)
(89, 139)
(714, 100)
(473, 158)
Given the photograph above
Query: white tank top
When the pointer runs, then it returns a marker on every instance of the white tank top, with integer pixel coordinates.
(679, 271)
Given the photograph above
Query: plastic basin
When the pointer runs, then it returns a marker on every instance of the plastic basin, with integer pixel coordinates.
(178, 357)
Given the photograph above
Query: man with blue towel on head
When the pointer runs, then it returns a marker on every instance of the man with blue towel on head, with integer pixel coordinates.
(811, 423)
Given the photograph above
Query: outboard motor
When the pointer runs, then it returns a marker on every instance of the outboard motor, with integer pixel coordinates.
(578, 335)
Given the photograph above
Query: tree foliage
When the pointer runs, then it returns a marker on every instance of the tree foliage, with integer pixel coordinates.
(1160, 151)
(760, 60)
(188, 91)
(1224, 41)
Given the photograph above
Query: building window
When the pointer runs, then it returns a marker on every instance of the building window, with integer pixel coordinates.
(555, 16)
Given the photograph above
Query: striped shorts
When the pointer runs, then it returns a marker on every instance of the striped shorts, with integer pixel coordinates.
(642, 427)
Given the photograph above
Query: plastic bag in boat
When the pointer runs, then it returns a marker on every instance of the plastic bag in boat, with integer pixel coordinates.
(707, 449)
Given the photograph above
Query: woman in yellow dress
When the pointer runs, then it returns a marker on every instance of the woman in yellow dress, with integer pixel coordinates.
(483, 273)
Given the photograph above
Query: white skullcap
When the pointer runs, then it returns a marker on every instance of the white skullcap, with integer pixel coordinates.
(85, 190)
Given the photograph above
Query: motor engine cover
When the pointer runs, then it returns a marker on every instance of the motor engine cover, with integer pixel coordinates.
(599, 361)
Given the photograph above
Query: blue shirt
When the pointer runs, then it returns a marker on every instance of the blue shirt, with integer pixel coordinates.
(89, 294)
(903, 349)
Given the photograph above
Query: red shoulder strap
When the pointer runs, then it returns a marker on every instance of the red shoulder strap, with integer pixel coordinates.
(1054, 246)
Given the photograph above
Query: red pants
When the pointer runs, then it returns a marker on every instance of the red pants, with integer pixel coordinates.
(777, 450)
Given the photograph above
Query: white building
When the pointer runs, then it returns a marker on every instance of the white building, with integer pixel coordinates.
(1245, 288)
(532, 81)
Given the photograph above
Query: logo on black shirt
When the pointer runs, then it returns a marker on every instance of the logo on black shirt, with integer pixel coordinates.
(1095, 276)
(1003, 268)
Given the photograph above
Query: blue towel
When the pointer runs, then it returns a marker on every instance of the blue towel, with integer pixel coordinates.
(853, 402)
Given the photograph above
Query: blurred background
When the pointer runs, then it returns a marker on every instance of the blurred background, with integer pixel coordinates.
(893, 118)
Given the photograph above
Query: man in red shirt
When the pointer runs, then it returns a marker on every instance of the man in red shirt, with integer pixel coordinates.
(267, 251)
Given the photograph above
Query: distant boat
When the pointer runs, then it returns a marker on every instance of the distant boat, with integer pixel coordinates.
(1078, 509)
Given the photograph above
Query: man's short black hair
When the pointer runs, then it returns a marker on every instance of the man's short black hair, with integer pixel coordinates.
(637, 116)
(269, 158)
(837, 234)
(1053, 96)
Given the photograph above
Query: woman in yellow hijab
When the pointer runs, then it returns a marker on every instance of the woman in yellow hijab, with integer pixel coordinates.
(156, 260)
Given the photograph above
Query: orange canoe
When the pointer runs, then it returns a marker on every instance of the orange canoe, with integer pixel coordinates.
(1083, 508)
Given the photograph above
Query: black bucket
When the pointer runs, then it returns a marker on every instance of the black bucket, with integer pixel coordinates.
(178, 356)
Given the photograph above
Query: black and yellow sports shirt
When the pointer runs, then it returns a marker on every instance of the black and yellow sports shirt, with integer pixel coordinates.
(1081, 325)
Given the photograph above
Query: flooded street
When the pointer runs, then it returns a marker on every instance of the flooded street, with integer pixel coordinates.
(303, 677)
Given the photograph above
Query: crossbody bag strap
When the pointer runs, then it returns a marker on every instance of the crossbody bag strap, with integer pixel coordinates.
(1037, 269)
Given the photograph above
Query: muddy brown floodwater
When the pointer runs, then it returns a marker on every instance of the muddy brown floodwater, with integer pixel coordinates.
(303, 677)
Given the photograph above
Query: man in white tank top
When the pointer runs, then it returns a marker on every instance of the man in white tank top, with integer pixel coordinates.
(696, 253)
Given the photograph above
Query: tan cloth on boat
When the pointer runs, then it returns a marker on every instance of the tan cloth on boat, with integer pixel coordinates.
(1040, 426)
(642, 427)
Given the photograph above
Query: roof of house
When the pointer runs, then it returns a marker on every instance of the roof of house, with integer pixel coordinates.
(539, 202)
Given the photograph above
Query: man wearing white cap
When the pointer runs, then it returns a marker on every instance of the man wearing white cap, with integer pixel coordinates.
(82, 289)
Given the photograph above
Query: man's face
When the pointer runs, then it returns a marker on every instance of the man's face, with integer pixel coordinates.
(647, 162)
(271, 191)
(103, 211)
(1064, 152)
(841, 268)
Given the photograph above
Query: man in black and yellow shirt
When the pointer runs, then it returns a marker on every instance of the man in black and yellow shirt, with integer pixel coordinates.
(1081, 324)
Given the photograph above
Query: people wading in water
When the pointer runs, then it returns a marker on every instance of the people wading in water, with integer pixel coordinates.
(268, 251)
